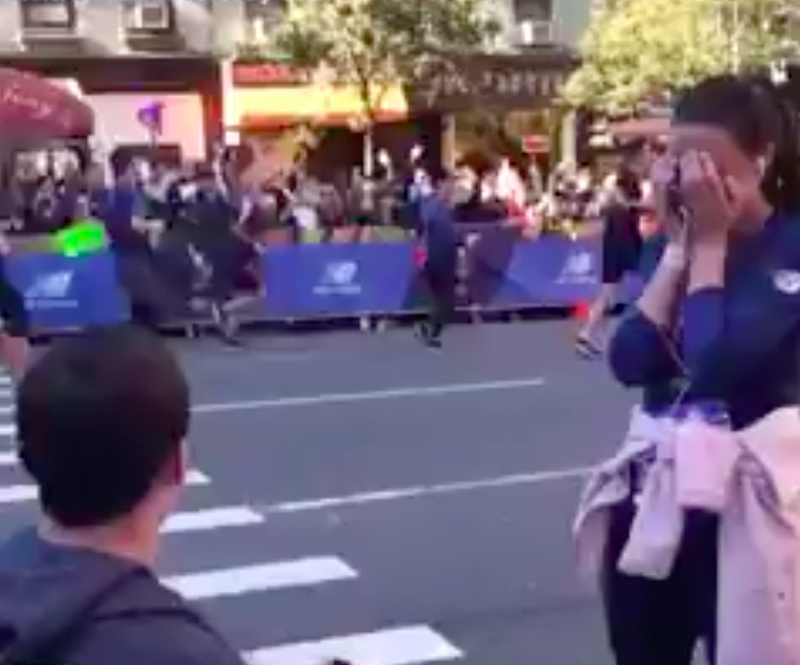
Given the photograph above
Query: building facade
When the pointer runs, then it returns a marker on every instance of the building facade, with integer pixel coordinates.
(528, 24)
(123, 55)
(180, 54)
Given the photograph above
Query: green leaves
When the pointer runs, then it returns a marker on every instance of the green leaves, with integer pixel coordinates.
(376, 44)
(638, 49)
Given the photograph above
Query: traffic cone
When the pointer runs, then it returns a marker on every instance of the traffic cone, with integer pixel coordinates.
(580, 311)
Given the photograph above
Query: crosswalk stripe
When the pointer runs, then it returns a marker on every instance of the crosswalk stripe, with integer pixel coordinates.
(18, 494)
(24, 492)
(8, 430)
(213, 518)
(5, 380)
(411, 645)
(261, 577)
(193, 476)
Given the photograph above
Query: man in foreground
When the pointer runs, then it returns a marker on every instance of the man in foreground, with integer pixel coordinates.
(102, 421)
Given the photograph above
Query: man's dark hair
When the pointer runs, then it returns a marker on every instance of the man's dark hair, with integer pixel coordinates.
(98, 416)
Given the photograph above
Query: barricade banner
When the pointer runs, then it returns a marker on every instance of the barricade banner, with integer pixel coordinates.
(551, 271)
(489, 251)
(63, 293)
(337, 279)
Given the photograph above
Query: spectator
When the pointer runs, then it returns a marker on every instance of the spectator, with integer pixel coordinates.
(102, 421)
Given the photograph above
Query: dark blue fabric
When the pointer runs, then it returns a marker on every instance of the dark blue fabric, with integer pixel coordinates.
(99, 202)
(740, 345)
(437, 229)
(122, 205)
(640, 354)
(702, 314)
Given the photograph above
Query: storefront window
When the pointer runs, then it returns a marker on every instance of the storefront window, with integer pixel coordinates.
(48, 14)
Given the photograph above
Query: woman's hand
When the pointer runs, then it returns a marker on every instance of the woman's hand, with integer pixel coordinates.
(713, 203)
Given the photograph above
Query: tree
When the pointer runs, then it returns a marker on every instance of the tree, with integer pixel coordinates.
(636, 49)
(375, 45)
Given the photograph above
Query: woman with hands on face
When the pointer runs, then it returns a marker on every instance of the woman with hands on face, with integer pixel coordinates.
(716, 330)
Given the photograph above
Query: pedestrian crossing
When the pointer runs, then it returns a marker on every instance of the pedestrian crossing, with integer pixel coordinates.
(220, 586)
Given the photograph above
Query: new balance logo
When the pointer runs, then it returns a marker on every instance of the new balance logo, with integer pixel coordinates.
(52, 286)
(579, 268)
(339, 278)
(340, 273)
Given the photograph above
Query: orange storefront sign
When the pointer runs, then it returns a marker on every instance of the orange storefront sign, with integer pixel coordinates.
(281, 106)
(272, 96)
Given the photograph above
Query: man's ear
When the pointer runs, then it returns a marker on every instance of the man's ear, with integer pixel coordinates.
(175, 468)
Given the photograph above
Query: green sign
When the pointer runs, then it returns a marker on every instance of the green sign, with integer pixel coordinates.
(85, 237)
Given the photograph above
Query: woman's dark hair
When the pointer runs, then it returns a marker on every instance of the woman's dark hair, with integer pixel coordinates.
(759, 119)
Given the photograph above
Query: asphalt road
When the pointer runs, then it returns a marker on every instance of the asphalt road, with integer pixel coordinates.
(359, 496)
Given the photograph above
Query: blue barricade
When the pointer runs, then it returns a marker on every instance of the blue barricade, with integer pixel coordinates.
(63, 293)
(551, 271)
(337, 280)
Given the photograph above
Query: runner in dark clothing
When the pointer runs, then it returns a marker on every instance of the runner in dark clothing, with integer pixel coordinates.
(621, 254)
(436, 227)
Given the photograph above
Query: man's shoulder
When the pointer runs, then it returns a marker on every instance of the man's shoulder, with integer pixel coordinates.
(152, 625)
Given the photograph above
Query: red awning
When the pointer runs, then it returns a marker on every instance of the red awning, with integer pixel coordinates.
(34, 111)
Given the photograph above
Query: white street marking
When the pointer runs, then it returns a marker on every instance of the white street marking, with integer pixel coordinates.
(399, 646)
(262, 577)
(369, 396)
(211, 519)
(421, 491)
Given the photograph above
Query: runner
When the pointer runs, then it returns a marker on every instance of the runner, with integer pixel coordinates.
(622, 244)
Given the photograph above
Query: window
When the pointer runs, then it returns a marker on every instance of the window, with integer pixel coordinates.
(261, 16)
(149, 16)
(48, 14)
(533, 10)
